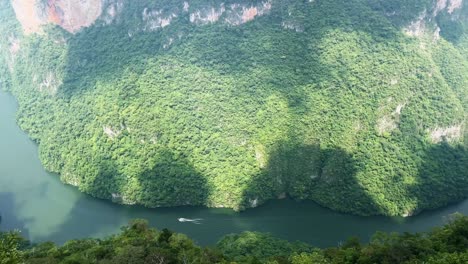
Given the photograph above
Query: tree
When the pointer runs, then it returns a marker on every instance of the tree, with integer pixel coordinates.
(9, 248)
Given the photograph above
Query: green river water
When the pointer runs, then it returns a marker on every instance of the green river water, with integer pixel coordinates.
(37, 203)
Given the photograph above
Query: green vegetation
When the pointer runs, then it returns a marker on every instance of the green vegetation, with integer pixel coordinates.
(9, 248)
(339, 108)
(140, 244)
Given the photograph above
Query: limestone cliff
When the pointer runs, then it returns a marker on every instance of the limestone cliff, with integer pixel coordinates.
(69, 14)
(75, 15)
(427, 22)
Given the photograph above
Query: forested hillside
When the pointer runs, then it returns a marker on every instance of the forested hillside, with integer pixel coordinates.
(359, 105)
(138, 243)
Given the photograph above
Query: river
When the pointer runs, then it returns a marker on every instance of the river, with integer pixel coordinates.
(37, 203)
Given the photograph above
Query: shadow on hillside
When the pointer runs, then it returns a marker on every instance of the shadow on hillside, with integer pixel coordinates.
(303, 171)
(9, 219)
(444, 170)
(170, 181)
(103, 53)
(306, 171)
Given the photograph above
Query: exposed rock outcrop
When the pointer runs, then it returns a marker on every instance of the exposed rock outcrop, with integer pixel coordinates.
(71, 15)
(112, 133)
(155, 19)
(112, 11)
(420, 25)
(31, 15)
(389, 122)
(238, 14)
(449, 5)
(417, 27)
(50, 83)
(450, 134)
(74, 15)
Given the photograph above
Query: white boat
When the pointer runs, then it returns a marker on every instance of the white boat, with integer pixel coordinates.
(195, 221)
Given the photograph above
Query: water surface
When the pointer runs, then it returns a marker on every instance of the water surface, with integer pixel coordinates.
(43, 208)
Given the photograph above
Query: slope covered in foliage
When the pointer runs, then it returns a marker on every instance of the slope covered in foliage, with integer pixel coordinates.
(139, 244)
(354, 104)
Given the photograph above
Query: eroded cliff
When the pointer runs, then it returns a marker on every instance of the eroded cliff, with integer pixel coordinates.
(75, 15)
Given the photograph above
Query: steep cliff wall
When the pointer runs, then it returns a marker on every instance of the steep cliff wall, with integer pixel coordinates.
(70, 14)
(427, 21)
(74, 15)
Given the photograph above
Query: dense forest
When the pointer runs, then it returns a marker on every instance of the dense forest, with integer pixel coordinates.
(359, 105)
(138, 243)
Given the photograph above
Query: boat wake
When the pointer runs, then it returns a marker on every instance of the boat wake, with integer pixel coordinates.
(188, 220)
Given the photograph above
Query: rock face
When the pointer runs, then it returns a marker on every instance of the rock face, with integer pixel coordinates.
(29, 15)
(450, 5)
(71, 15)
(235, 14)
(450, 134)
(74, 15)
(419, 26)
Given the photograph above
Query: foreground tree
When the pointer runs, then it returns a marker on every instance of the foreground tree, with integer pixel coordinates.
(9, 248)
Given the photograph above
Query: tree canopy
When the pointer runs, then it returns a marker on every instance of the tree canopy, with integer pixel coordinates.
(138, 243)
